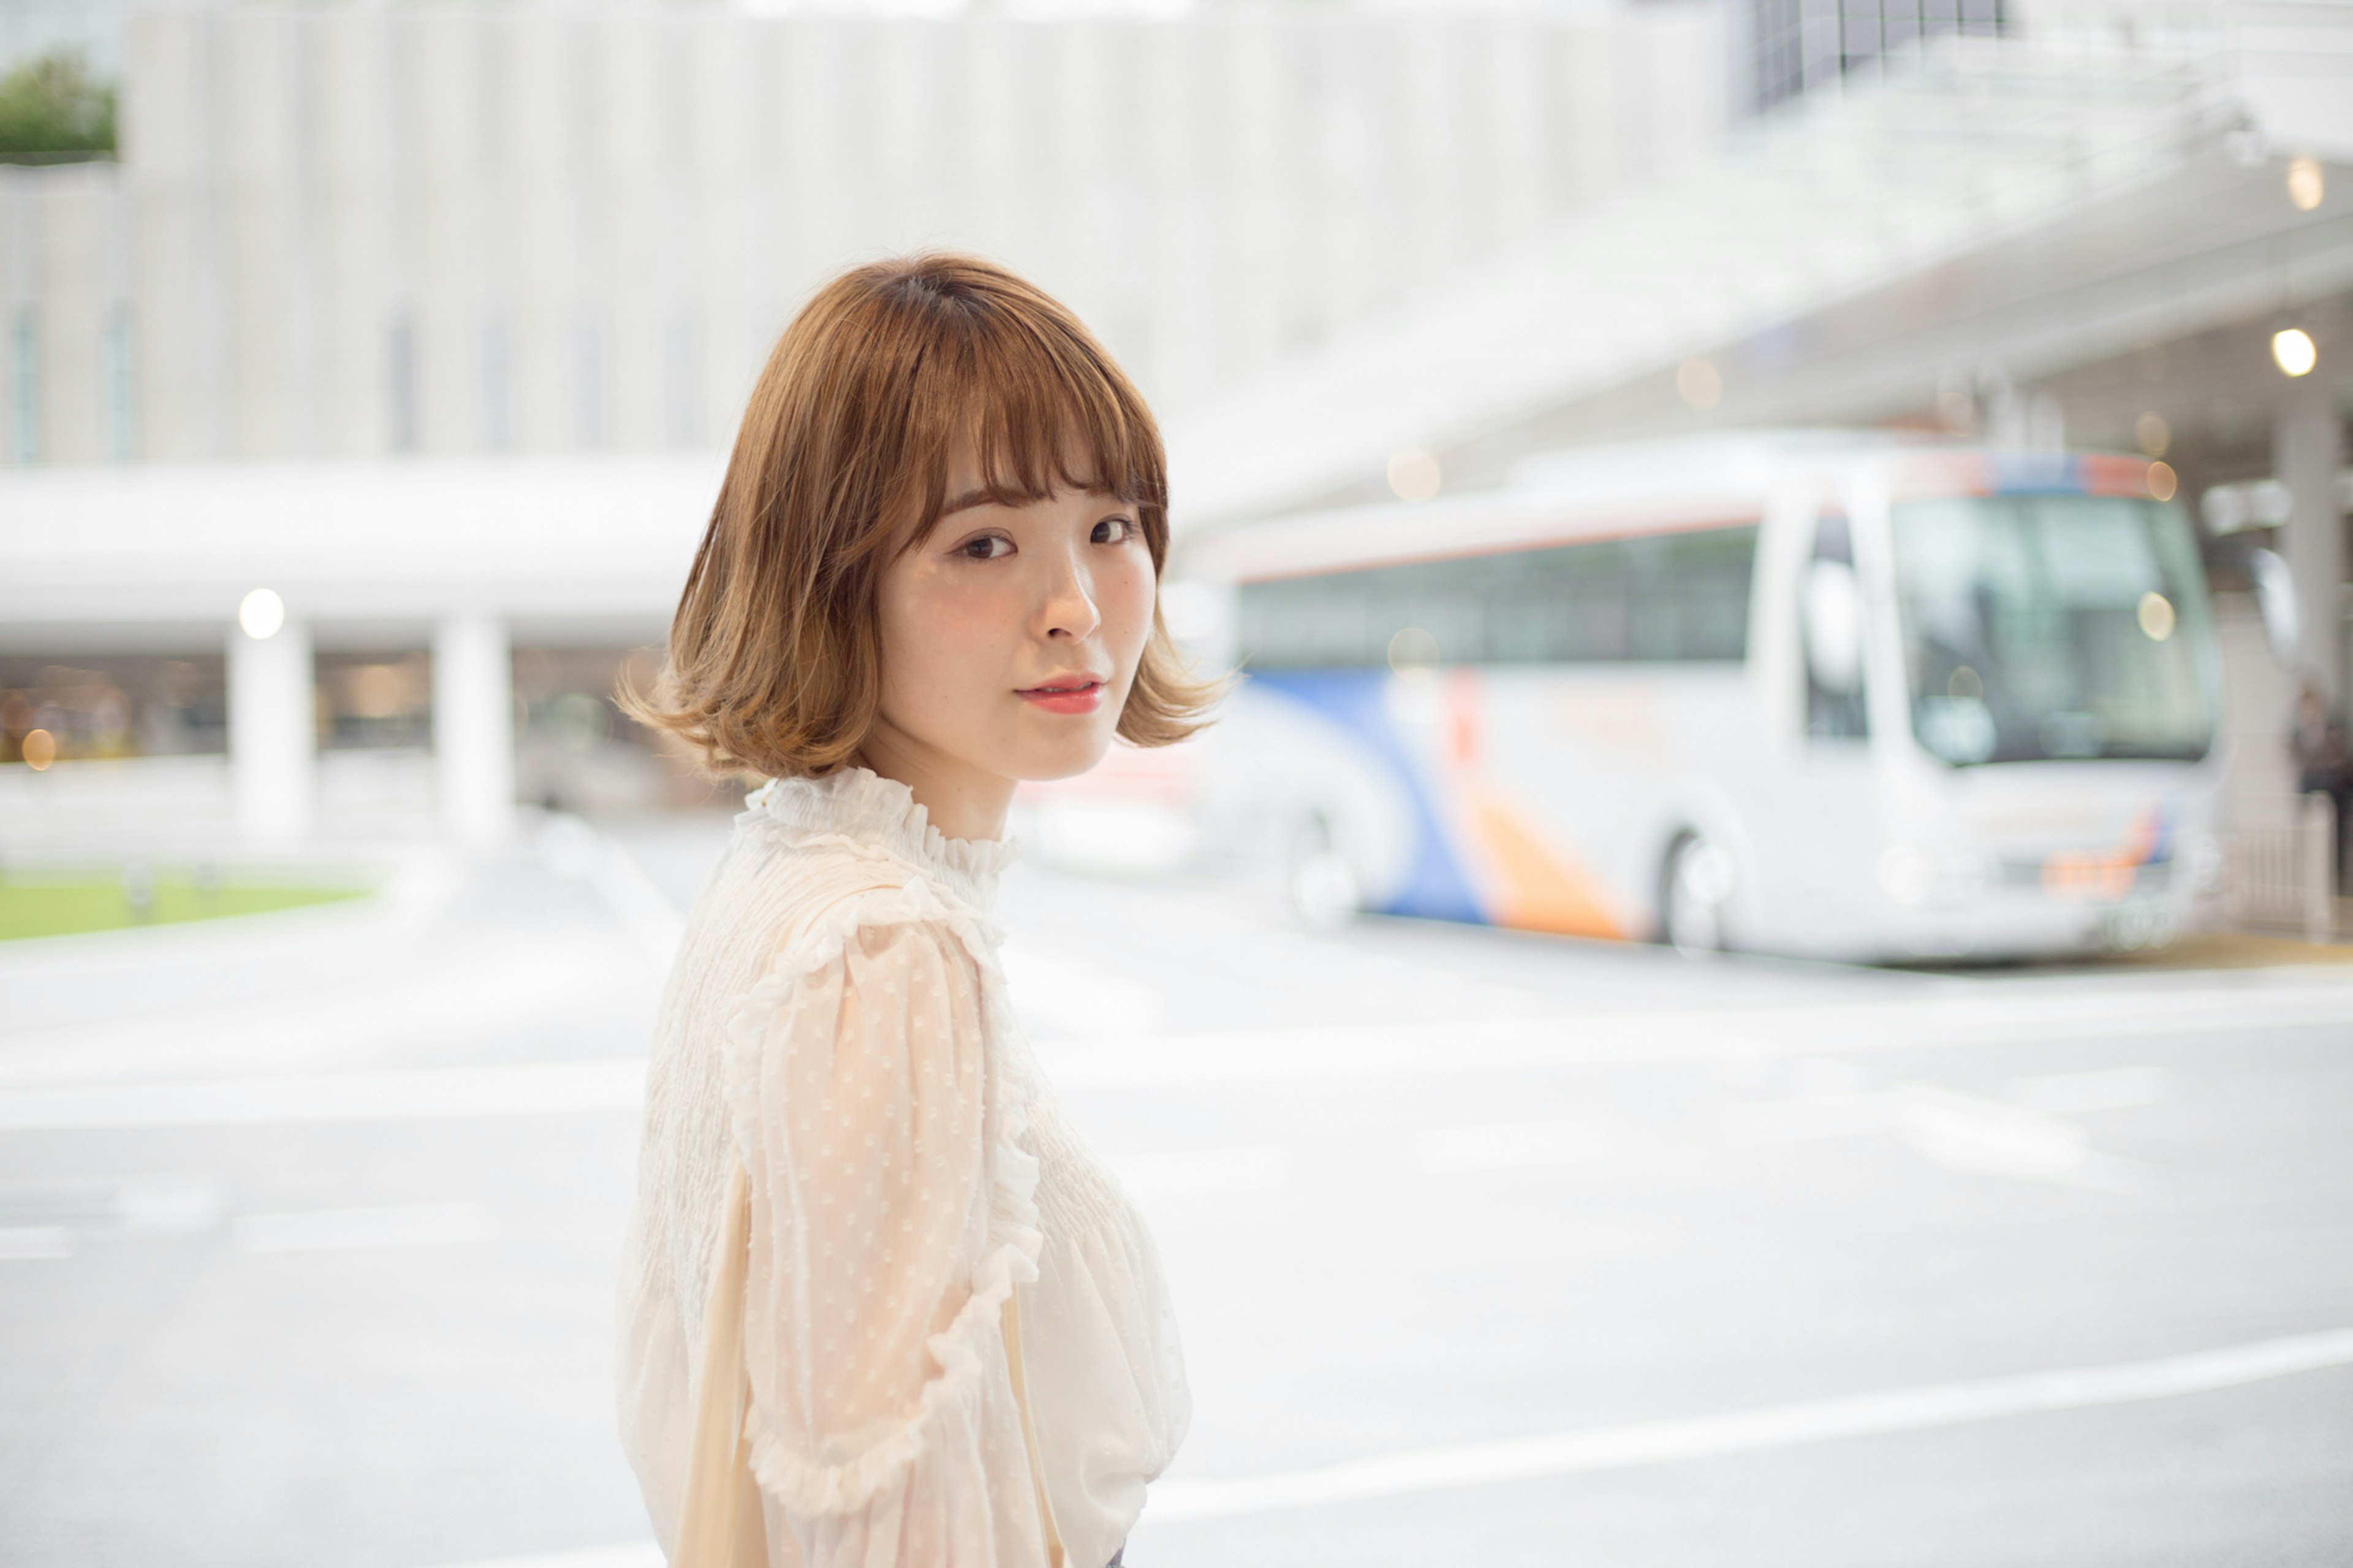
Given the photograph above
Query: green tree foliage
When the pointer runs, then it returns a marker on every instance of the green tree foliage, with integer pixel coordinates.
(53, 111)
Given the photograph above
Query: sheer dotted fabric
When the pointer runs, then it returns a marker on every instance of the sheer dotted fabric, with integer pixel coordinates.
(836, 1021)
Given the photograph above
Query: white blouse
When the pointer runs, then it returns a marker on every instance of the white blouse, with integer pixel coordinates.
(836, 1019)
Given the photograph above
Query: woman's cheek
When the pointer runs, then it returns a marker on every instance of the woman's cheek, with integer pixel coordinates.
(928, 660)
(1140, 593)
(957, 623)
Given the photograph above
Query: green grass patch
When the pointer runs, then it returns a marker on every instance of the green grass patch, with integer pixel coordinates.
(60, 903)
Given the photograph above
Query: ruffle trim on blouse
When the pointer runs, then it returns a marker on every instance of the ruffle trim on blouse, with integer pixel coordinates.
(866, 810)
(803, 1484)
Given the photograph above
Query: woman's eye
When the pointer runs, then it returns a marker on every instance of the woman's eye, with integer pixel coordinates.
(1114, 531)
(988, 547)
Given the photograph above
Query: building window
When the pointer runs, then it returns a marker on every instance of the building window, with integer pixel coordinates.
(588, 425)
(401, 367)
(682, 363)
(498, 386)
(376, 701)
(121, 408)
(1799, 45)
(24, 382)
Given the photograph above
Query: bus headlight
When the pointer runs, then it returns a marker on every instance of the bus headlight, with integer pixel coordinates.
(1904, 872)
(1912, 876)
(2205, 863)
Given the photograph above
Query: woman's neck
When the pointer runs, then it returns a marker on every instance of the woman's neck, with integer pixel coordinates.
(962, 801)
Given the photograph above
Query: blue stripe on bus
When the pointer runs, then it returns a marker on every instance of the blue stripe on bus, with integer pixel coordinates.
(1356, 699)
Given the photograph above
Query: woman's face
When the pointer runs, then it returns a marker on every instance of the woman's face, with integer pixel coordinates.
(1010, 635)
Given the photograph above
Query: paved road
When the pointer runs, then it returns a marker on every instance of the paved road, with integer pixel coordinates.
(1487, 1249)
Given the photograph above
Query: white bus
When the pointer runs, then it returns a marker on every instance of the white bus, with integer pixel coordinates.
(1811, 694)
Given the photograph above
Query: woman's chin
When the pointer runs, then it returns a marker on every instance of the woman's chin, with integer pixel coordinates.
(1062, 757)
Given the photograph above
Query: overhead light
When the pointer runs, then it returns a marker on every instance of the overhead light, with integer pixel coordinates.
(260, 613)
(1699, 383)
(2307, 185)
(2162, 481)
(2292, 352)
(1413, 475)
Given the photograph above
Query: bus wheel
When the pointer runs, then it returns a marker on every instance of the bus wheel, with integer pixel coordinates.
(1694, 888)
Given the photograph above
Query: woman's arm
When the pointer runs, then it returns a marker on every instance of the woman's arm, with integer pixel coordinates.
(883, 1423)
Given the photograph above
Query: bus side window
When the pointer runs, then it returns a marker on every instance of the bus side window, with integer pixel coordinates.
(1830, 620)
(1676, 596)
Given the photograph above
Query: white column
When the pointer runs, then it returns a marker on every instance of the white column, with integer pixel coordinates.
(473, 728)
(273, 732)
(2306, 452)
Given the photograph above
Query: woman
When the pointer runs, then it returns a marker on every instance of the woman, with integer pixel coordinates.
(880, 1306)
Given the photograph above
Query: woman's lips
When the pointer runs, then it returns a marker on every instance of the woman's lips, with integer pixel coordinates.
(1072, 696)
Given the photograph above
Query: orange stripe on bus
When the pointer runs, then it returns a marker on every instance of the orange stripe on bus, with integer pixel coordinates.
(1542, 890)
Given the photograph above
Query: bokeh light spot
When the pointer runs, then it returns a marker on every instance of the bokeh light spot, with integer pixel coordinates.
(2293, 350)
(2306, 183)
(1413, 475)
(260, 613)
(1411, 649)
(1699, 383)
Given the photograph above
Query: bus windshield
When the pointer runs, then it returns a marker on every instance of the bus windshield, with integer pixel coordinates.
(2045, 627)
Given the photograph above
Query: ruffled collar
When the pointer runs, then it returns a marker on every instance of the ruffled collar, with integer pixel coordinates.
(863, 806)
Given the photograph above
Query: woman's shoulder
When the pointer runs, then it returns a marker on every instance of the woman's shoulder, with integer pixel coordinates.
(891, 941)
(907, 918)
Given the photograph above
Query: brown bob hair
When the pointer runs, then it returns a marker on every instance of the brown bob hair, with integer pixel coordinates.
(776, 665)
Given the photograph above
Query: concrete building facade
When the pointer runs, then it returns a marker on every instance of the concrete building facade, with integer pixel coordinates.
(364, 231)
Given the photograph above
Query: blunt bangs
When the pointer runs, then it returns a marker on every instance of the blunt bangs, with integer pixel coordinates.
(1043, 411)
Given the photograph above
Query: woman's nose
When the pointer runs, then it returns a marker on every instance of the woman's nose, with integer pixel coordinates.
(1071, 610)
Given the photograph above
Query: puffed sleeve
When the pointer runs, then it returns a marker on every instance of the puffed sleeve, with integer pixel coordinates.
(890, 1220)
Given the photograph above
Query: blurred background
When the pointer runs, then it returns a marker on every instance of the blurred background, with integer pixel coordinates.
(1755, 973)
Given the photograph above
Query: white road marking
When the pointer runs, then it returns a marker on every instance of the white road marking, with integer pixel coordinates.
(2113, 1089)
(1061, 993)
(1749, 1431)
(328, 1230)
(1512, 1145)
(1994, 1138)
(1802, 1120)
(1956, 1131)
(635, 1554)
(171, 1205)
(1192, 1173)
(490, 994)
(29, 1243)
(1742, 1036)
(572, 847)
(1241, 1056)
(538, 1089)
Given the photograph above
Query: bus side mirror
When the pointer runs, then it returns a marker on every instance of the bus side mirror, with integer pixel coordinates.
(1832, 602)
(2275, 597)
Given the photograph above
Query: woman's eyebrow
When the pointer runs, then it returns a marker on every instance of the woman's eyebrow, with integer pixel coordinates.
(986, 495)
(997, 495)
